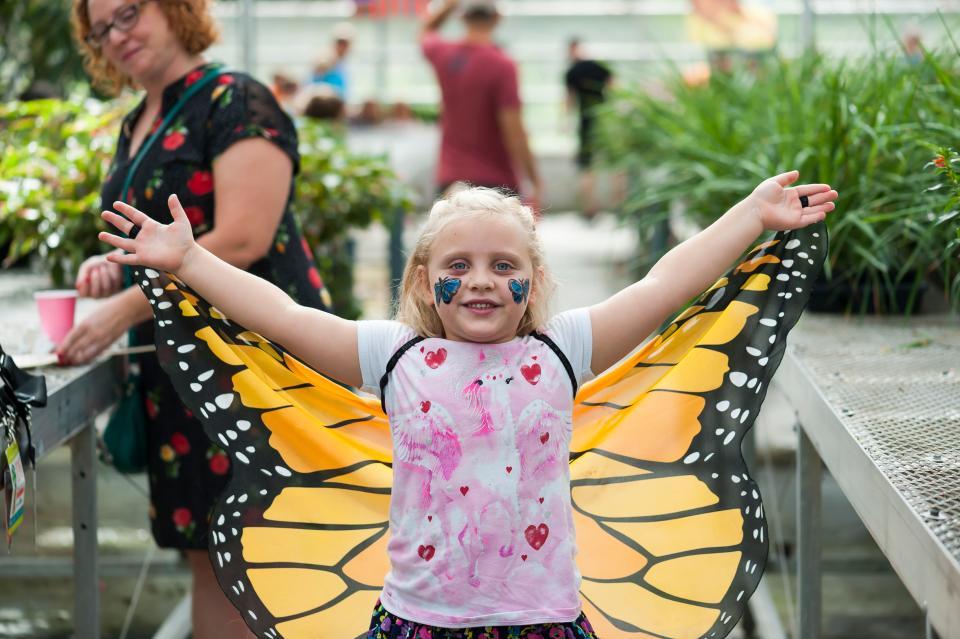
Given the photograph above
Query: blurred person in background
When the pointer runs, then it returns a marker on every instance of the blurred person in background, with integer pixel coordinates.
(284, 89)
(331, 68)
(729, 29)
(587, 82)
(324, 104)
(913, 44)
(483, 139)
(230, 154)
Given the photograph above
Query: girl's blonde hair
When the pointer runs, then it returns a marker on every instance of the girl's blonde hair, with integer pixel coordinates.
(190, 20)
(416, 312)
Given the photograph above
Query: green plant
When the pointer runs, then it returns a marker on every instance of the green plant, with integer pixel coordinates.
(337, 191)
(947, 165)
(54, 156)
(864, 126)
(35, 45)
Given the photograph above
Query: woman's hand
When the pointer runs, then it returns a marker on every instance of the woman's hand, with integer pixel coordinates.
(161, 246)
(98, 277)
(778, 205)
(94, 334)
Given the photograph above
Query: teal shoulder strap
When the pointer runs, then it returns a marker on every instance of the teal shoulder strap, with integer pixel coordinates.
(191, 91)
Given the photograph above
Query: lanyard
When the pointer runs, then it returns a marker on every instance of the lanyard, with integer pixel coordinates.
(142, 152)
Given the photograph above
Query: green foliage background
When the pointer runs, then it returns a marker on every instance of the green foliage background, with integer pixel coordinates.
(35, 44)
(54, 156)
(870, 127)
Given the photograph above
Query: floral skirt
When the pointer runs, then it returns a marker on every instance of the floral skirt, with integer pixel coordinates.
(384, 625)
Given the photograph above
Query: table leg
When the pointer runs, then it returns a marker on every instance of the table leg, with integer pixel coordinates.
(86, 588)
(809, 472)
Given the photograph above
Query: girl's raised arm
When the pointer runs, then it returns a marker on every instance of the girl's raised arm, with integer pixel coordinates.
(322, 340)
(627, 318)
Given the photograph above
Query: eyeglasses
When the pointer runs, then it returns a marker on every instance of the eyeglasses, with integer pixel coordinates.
(124, 19)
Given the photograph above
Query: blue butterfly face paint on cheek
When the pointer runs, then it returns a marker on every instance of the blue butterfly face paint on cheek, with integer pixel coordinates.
(520, 290)
(445, 289)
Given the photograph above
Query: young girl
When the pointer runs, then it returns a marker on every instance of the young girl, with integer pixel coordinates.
(479, 384)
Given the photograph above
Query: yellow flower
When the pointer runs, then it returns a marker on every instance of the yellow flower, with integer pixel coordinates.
(167, 454)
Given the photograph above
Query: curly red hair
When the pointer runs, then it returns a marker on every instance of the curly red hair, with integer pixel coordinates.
(191, 21)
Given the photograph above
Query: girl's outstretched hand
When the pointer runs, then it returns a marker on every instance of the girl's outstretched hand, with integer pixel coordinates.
(161, 246)
(779, 205)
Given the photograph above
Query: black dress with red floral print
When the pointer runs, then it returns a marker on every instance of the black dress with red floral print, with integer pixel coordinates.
(187, 472)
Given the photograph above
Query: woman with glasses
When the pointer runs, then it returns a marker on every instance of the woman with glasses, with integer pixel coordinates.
(219, 141)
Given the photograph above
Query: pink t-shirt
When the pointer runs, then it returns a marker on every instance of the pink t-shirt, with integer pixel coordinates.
(477, 82)
(481, 523)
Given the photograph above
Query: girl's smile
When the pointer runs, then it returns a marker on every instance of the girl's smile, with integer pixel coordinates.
(481, 306)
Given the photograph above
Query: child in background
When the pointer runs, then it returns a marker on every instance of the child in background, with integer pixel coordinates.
(478, 383)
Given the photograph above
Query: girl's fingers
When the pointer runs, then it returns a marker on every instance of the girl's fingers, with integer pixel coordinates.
(134, 215)
(811, 219)
(820, 210)
(130, 259)
(822, 197)
(812, 189)
(118, 221)
(176, 209)
(788, 178)
(123, 243)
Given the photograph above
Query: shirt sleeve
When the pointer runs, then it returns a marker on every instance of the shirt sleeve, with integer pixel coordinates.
(243, 108)
(432, 46)
(377, 341)
(573, 333)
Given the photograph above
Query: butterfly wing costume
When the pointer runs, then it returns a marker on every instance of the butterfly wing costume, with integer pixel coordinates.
(670, 526)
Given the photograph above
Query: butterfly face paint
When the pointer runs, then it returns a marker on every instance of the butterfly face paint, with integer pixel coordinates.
(445, 289)
(520, 290)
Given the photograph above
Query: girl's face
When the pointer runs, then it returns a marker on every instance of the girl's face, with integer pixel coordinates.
(480, 277)
(148, 45)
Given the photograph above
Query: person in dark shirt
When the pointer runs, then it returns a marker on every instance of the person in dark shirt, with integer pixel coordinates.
(587, 83)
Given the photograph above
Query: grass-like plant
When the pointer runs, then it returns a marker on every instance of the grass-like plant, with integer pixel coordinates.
(864, 125)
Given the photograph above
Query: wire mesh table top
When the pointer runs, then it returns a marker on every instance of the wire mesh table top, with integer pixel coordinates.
(895, 386)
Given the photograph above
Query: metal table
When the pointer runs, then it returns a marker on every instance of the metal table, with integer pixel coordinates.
(878, 401)
(75, 397)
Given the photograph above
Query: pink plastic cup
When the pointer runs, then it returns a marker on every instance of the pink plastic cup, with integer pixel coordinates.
(56, 310)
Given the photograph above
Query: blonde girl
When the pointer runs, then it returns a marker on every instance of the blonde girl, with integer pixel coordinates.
(478, 383)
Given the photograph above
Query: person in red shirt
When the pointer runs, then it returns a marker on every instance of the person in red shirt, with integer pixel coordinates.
(483, 140)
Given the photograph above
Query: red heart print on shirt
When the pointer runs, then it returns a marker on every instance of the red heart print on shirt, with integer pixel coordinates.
(464, 490)
(536, 535)
(435, 358)
(425, 406)
(531, 373)
(426, 552)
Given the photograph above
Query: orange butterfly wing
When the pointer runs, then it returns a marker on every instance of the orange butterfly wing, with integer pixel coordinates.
(670, 525)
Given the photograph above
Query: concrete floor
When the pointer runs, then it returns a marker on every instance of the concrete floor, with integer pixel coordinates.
(862, 596)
